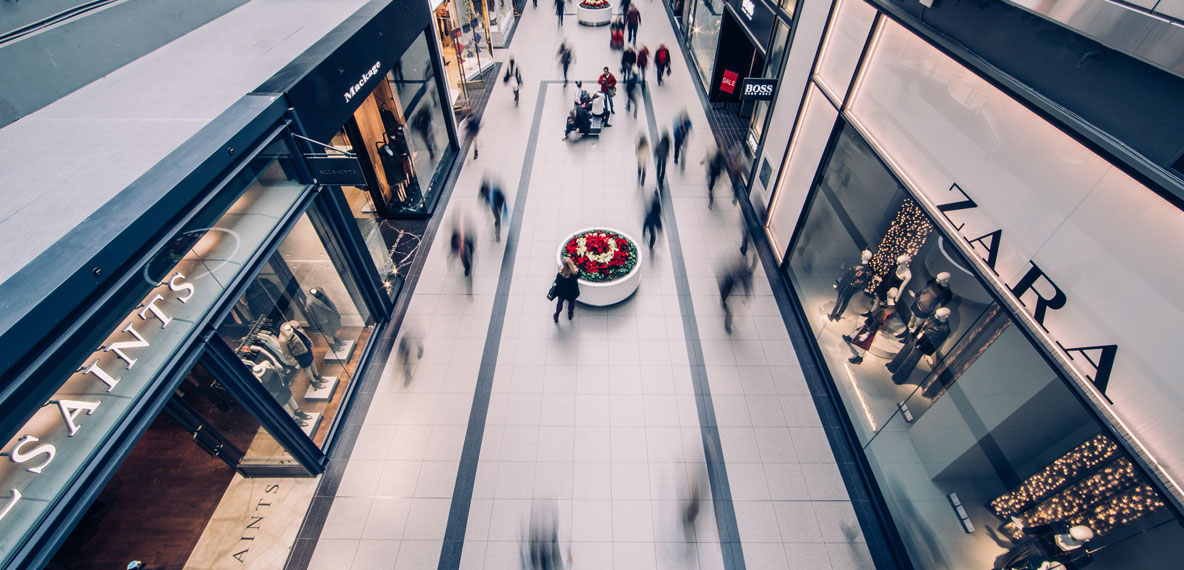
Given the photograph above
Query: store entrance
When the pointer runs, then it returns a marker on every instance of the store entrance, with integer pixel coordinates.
(736, 55)
(158, 506)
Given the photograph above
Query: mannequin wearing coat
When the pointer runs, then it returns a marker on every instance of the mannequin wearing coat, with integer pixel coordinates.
(298, 346)
(861, 340)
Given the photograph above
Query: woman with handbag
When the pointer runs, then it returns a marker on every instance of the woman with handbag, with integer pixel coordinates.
(566, 288)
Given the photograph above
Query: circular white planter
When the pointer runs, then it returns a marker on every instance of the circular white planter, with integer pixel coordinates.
(605, 293)
(594, 16)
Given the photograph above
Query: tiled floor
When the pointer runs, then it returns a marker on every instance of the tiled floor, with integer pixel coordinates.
(597, 417)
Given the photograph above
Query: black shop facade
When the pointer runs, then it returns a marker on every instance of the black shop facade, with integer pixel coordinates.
(170, 394)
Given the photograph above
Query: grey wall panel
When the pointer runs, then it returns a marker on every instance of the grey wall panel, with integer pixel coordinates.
(43, 67)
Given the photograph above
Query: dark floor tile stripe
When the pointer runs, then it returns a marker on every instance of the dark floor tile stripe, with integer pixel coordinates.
(466, 476)
(717, 472)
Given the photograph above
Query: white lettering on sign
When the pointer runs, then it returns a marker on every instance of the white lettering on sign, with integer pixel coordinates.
(748, 7)
(362, 82)
(73, 412)
(758, 90)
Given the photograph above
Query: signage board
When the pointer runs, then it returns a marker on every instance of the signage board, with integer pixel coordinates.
(757, 89)
(728, 83)
(336, 170)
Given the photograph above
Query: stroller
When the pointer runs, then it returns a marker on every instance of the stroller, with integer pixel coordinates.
(616, 32)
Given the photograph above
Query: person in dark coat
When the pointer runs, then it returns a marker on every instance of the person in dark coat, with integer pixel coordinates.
(643, 61)
(716, 162)
(653, 219)
(737, 276)
(628, 59)
(567, 288)
(661, 153)
(491, 193)
(632, 20)
(682, 130)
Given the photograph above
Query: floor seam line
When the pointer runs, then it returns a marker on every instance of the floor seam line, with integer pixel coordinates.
(717, 474)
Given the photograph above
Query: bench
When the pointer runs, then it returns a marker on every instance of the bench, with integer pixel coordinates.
(597, 125)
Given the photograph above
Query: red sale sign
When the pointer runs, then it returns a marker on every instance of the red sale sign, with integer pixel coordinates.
(728, 85)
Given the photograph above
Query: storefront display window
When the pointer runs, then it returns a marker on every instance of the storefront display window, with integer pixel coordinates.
(760, 113)
(985, 455)
(423, 113)
(704, 35)
(182, 282)
(464, 42)
(301, 327)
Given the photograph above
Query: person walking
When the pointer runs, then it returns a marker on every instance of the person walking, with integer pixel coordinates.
(565, 59)
(740, 275)
(653, 219)
(631, 94)
(421, 122)
(628, 58)
(661, 153)
(662, 62)
(643, 158)
(632, 20)
(608, 88)
(462, 246)
(495, 199)
(516, 84)
(643, 61)
(716, 163)
(682, 130)
(566, 288)
(407, 343)
(560, 6)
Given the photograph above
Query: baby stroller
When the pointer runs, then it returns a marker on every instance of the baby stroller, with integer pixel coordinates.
(617, 34)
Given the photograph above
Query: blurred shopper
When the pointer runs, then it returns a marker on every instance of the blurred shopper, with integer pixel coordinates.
(565, 58)
(661, 153)
(628, 59)
(682, 130)
(560, 6)
(653, 219)
(566, 288)
(739, 275)
(643, 158)
(716, 163)
(540, 548)
(643, 61)
(495, 199)
(631, 94)
(462, 244)
(409, 342)
(632, 21)
(516, 84)
(662, 62)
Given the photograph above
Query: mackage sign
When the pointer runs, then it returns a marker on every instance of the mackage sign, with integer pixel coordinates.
(62, 428)
(366, 77)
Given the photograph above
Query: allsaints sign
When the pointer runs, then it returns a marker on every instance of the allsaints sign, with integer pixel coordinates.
(1035, 289)
(99, 376)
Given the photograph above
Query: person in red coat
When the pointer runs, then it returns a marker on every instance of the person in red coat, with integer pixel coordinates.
(662, 62)
(608, 87)
(643, 61)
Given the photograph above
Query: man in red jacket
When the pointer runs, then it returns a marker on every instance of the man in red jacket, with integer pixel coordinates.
(608, 87)
(662, 62)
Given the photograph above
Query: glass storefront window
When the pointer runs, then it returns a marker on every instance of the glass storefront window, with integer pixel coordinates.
(180, 284)
(705, 35)
(301, 328)
(400, 134)
(984, 454)
(843, 45)
(760, 113)
(463, 46)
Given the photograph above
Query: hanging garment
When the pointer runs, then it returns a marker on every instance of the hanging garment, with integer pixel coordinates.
(276, 385)
(264, 354)
(273, 346)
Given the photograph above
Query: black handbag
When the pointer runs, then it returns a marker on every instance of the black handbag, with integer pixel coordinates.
(553, 292)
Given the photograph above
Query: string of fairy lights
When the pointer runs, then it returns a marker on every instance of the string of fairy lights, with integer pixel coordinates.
(1092, 485)
(906, 234)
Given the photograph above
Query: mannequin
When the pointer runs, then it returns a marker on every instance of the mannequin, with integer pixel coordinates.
(898, 278)
(853, 281)
(866, 333)
(924, 341)
(936, 293)
(323, 314)
(298, 347)
(1053, 545)
(279, 389)
(274, 347)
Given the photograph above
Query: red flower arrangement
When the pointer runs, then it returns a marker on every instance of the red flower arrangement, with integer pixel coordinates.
(594, 4)
(601, 255)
